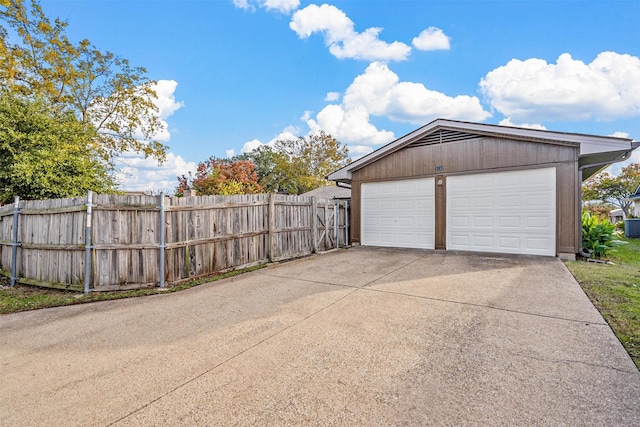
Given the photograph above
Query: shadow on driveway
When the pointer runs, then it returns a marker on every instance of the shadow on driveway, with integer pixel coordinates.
(364, 336)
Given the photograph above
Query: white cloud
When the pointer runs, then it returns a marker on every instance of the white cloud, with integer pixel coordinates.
(287, 133)
(508, 122)
(351, 126)
(341, 37)
(166, 101)
(332, 96)
(606, 89)
(306, 116)
(283, 6)
(620, 135)
(379, 92)
(251, 145)
(230, 152)
(243, 4)
(432, 39)
(139, 174)
(167, 105)
(357, 151)
(290, 132)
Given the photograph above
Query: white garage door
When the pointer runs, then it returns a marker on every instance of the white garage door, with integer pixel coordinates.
(506, 212)
(398, 213)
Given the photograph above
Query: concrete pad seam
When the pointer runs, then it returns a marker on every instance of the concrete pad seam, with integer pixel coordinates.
(576, 362)
(229, 359)
(488, 307)
(396, 270)
(319, 282)
(367, 287)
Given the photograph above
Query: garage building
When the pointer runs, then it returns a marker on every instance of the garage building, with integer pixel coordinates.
(477, 187)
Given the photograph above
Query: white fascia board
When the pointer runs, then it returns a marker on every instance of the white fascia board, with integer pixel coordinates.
(603, 145)
(340, 175)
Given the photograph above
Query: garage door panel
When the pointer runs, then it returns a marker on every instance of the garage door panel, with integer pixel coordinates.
(509, 222)
(482, 222)
(403, 212)
(510, 212)
(459, 221)
(459, 202)
(509, 242)
(482, 202)
(538, 244)
(387, 205)
(539, 222)
(509, 201)
(539, 201)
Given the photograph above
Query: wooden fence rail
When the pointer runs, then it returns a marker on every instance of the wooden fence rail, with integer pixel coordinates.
(147, 241)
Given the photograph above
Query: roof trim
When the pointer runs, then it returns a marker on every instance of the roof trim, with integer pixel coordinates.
(588, 143)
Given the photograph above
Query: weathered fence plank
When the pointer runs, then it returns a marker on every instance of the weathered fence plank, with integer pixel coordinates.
(202, 236)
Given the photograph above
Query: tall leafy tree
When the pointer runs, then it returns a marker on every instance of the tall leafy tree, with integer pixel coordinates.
(44, 154)
(615, 190)
(299, 165)
(111, 98)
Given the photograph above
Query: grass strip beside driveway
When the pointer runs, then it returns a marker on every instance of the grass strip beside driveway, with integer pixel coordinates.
(25, 297)
(615, 291)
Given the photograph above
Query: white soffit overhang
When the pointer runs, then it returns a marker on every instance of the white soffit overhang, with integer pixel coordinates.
(589, 144)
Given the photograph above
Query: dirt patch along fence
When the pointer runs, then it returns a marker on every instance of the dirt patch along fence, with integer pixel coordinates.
(117, 242)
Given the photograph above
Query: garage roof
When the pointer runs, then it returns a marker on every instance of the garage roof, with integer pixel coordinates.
(594, 150)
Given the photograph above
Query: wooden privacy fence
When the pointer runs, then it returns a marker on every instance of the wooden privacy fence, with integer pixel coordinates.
(114, 242)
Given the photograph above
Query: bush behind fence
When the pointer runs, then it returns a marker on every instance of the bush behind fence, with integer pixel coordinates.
(129, 245)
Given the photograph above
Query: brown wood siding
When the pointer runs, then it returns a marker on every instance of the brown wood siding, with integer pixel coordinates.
(475, 156)
(355, 212)
(567, 206)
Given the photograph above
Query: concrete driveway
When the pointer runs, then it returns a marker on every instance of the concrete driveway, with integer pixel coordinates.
(362, 336)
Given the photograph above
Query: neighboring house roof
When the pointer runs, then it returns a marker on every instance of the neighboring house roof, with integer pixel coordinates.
(329, 192)
(616, 213)
(594, 150)
(636, 195)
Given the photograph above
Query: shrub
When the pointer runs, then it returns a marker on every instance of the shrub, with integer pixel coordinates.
(597, 235)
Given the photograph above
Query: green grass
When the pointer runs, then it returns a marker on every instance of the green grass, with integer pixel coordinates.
(25, 297)
(615, 291)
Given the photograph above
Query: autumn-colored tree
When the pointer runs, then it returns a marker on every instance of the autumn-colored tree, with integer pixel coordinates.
(296, 166)
(221, 177)
(111, 98)
(613, 189)
(598, 210)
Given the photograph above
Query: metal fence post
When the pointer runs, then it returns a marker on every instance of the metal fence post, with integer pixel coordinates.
(162, 244)
(87, 244)
(336, 223)
(272, 227)
(314, 224)
(346, 223)
(14, 242)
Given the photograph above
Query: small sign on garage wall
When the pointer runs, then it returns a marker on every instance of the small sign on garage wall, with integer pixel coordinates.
(439, 168)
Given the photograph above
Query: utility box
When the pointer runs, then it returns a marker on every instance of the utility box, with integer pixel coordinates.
(632, 227)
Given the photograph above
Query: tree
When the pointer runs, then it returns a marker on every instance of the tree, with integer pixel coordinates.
(299, 165)
(45, 155)
(613, 189)
(113, 100)
(221, 177)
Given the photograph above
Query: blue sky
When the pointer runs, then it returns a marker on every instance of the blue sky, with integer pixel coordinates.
(234, 74)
